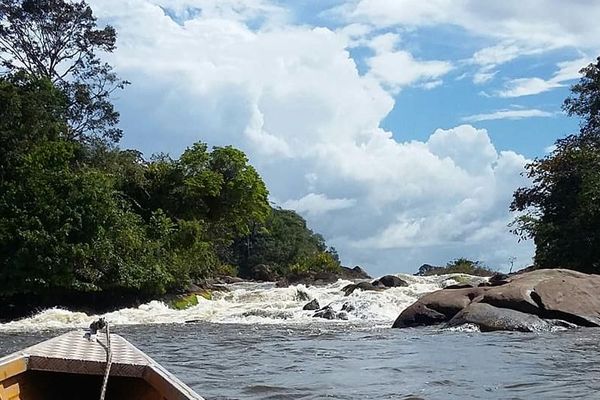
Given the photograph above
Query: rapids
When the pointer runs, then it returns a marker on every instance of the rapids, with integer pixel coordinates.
(255, 303)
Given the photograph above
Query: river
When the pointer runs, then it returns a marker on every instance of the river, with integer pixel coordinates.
(255, 342)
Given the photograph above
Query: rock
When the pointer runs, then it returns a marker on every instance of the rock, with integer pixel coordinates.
(490, 318)
(389, 281)
(574, 298)
(498, 279)
(419, 314)
(325, 312)
(460, 286)
(322, 278)
(354, 273)
(313, 305)
(329, 313)
(348, 307)
(263, 272)
(424, 269)
(231, 279)
(349, 289)
(549, 294)
(301, 295)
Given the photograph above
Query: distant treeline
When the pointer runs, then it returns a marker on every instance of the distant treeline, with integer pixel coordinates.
(458, 266)
(80, 214)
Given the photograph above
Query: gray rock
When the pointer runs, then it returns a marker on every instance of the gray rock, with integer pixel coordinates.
(490, 318)
(313, 305)
(389, 281)
(349, 289)
(325, 312)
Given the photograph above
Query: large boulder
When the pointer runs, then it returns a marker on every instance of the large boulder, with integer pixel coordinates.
(436, 307)
(550, 294)
(490, 318)
(389, 281)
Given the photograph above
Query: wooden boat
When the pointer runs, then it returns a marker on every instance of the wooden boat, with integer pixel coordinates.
(72, 366)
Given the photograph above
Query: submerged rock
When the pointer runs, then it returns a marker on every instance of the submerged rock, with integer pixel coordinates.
(313, 305)
(329, 313)
(517, 302)
(325, 312)
(348, 307)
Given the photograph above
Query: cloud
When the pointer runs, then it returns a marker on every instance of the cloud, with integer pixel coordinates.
(315, 204)
(567, 71)
(293, 99)
(482, 77)
(397, 69)
(508, 114)
(536, 24)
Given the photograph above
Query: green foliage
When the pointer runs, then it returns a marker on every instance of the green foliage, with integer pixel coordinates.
(57, 40)
(317, 262)
(78, 214)
(458, 266)
(561, 208)
(184, 302)
(285, 243)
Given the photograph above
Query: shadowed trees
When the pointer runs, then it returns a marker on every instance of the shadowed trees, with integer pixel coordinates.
(561, 208)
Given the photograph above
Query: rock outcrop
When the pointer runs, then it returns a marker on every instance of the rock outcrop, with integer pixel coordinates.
(389, 281)
(530, 301)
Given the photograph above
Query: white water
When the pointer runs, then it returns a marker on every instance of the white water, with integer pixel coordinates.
(256, 303)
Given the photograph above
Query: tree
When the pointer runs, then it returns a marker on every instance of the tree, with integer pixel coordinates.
(284, 242)
(58, 40)
(561, 208)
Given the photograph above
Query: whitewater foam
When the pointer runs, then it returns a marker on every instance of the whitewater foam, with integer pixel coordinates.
(256, 303)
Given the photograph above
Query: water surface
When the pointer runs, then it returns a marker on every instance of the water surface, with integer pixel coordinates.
(342, 361)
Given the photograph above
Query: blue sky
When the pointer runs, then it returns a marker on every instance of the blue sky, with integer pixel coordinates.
(398, 129)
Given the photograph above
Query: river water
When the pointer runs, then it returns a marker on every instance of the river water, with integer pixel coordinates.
(255, 342)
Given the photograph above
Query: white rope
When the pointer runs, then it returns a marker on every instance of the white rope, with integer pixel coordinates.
(108, 362)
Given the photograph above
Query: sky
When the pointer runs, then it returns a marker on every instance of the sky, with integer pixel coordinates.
(398, 128)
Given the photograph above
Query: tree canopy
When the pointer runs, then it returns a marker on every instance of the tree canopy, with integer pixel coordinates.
(80, 215)
(560, 210)
(58, 40)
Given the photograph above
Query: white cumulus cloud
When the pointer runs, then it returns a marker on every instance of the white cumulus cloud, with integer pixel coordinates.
(508, 114)
(293, 99)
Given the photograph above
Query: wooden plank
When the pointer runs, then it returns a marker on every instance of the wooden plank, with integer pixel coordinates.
(12, 367)
(169, 386)
(11, 392)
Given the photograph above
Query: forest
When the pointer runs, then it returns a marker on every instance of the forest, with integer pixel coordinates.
(79, 214)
